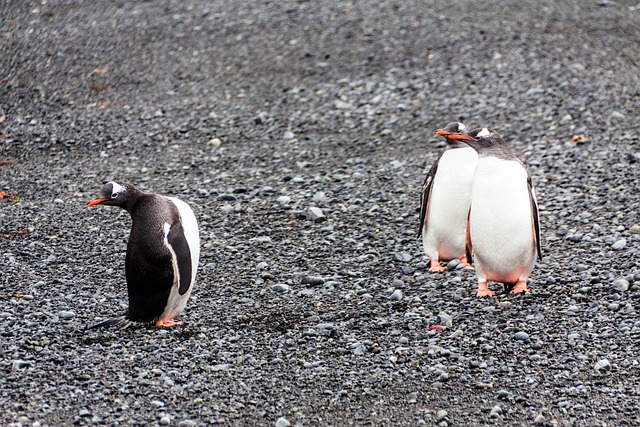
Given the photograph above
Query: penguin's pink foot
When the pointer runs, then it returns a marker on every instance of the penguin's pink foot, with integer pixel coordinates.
(484, 291)
(464, 261)
(436, 267)
(520, 287)
(167, 323)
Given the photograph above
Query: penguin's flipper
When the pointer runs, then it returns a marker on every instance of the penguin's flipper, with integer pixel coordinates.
(535, 215)
(180, 247)
(120, 321)
(427, 186)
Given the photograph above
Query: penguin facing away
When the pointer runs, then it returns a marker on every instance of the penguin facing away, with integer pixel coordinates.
(504, 225)
(162, 254)
(445, 200)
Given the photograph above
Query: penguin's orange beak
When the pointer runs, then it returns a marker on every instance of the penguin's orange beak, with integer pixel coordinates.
(460, 137)
(97, 201)
(442, 132)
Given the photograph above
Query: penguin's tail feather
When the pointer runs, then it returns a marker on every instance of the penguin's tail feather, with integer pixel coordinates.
(120, 321)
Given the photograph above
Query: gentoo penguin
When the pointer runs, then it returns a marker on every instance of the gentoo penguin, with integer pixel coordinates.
(504, 226)
(445, 200)
(162, 254)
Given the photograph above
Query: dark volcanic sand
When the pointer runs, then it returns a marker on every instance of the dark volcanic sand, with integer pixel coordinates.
(255, 112)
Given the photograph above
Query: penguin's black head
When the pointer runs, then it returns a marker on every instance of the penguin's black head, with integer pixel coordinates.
(479, 138)
(114, 193)
(452, 128)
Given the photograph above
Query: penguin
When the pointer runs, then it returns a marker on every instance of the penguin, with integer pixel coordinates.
(445, 200)
(162, 254)
(504, 224)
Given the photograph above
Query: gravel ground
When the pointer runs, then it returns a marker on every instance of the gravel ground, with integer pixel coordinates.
(300, 132)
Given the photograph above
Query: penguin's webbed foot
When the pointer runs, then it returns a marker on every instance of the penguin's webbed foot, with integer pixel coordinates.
(465, 262)
(167, 323)
(484, 291)
(436, 267)
(519, 288)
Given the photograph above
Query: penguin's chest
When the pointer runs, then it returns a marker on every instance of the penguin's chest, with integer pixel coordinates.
(449, 203)
(501, 222)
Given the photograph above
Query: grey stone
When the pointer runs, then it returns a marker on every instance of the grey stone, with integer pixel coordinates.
(619, 244)
(315, 214)
(521, 336)
(621, 285)
(602, 365)
(280, 287)
(402, 257)
(282, 422)
(396, 295)
(66, 314)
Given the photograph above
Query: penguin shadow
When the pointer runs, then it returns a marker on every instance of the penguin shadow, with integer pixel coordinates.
(90, 336)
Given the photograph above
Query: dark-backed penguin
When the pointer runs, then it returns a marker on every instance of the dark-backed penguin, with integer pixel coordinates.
(504, 226)
(162, 254)
(445, 200)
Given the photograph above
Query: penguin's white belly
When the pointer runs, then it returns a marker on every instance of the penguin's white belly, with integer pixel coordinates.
(501, 222)
(177, 302)
(446, 220)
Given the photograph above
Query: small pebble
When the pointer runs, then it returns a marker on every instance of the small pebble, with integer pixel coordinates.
(619, 244)
(66, 314)
(402, 257)
(280, 287)
(496, 411)
(282, 422)
(540, 419)
(318, 197)
(396, 295)
(521, 336)
(165, 421)
(284, 200)
(315, 214)
(226, 198)
(621, 285)
(187, 423)
(441, 414)
(157, 403)
(602, 366)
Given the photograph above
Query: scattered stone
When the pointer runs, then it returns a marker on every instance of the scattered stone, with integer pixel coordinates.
(282, 422)
(602, 366)
(402, 257)
(318, 197)
(187, 423)
(284, 200)
(619, 244)
(315, 214)
(360, 349)
(165, 421)
(226, 198)
(621, 285)
(288, 135)
(157, 403)
(406, 270)
(444, 319)
(66, 314)
(396, 295)
(496, 411)
(280, 287)
(521, 336)
(451, 265)
(312, 280)
(540, 419)
(441, 414)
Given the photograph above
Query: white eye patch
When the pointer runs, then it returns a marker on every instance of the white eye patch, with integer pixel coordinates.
(117, 189)
(484, 132)
(462, 127)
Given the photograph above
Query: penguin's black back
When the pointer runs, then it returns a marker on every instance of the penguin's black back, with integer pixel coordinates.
(149, 264)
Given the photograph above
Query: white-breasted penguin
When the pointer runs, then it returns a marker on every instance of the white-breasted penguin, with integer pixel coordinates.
(162, 254)
(504, 225)
(445, 200)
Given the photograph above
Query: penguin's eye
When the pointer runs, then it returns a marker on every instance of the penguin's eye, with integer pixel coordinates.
(114, 195)
(477, 138)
